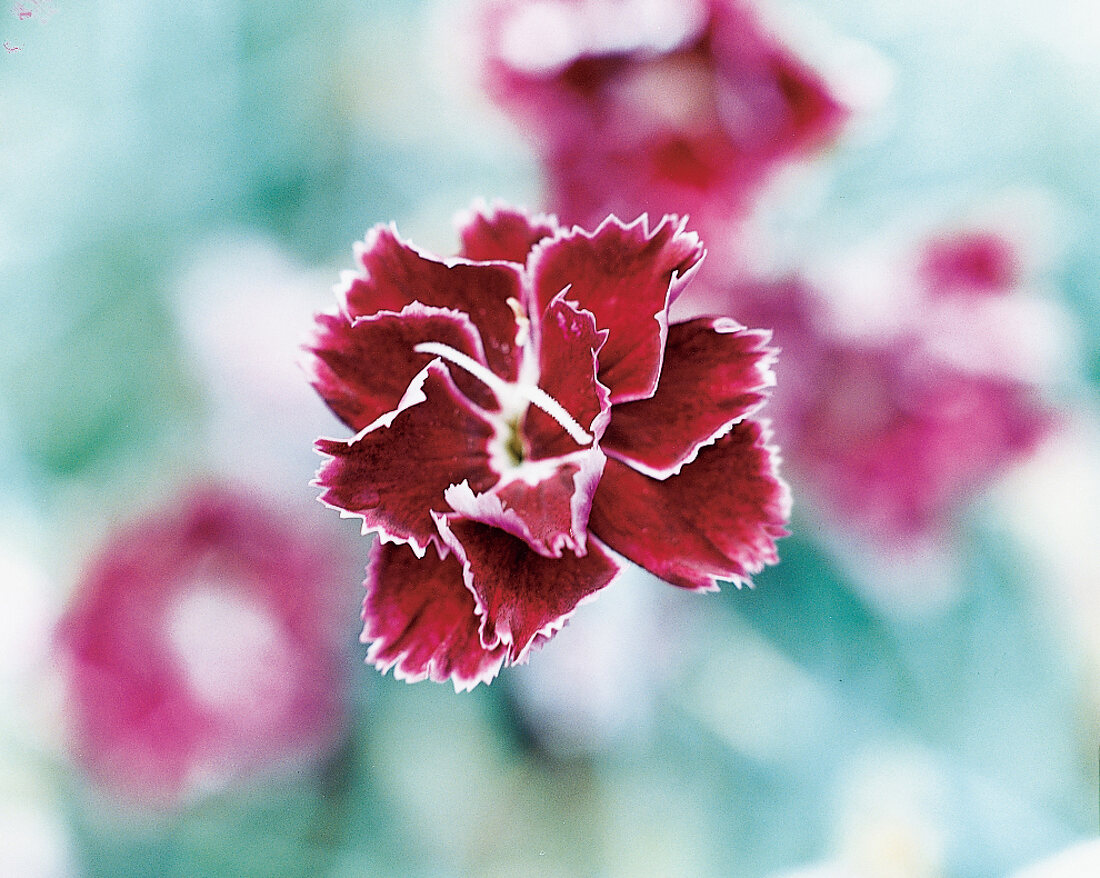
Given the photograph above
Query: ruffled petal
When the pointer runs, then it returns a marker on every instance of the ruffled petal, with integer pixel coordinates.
(545, 503)
(395, 274)
(718, 519)
(626, 276)
(523, 598)
(393, 475)
(362, 368)
(715, 373)
(786, 107)
(502, 233)
(421, 620)
(676, 106)
(568, 344)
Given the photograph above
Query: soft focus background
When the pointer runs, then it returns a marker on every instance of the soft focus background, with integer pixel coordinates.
(180, 186)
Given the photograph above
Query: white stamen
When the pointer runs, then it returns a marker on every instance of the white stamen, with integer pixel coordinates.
(523, 323)
(507, 392)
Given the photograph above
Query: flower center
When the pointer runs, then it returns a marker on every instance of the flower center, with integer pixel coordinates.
(513, 445)
(514, 398)
(234, 654)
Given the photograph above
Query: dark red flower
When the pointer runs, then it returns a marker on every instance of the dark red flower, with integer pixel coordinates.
(520, 410)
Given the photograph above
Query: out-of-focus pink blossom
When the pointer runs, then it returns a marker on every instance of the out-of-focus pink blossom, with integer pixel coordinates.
(973, 261)
(909, 383)
(205, 645)
(658, 106)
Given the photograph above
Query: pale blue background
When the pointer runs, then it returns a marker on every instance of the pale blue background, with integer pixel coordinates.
(133, 134)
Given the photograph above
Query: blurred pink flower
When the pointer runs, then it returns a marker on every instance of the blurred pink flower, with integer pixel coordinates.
(204, 646)
(972, 261)
(521, 407)
(909, 383)
(658, 106)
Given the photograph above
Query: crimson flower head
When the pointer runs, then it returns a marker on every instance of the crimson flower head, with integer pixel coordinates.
(658, 106)
(524, 408)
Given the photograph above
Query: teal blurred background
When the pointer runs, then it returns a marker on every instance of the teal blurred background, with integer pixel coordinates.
(180, 185)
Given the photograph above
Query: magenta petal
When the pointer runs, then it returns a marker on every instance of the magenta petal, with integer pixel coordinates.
(421, 620)
(718, 519)
(362, 369)
(393, 476)
(715, 373)
(204, 645)
(546, 503)
(626, 276)
(502, 233)
(395, 274)
(976, 262)
(787, 107)
(524, 598)
(691, 116)
(567, 347)
(923, 438)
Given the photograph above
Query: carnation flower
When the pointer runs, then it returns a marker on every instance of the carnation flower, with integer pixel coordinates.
(521, 410)
(658, 106)
(205, 646)
(914, 378)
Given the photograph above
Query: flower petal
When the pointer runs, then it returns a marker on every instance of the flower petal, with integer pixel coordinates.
(675, 106)
(524, 598)
(204, 645)
(894, 445)
(395, 274)
(568, 344)
(715, 373)
(545, 503)
(502, 233)
(718, 519)
(786, 107)
(421, 620)
(977, 262)
(626, 276)
(393, 474)
(362, 368)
